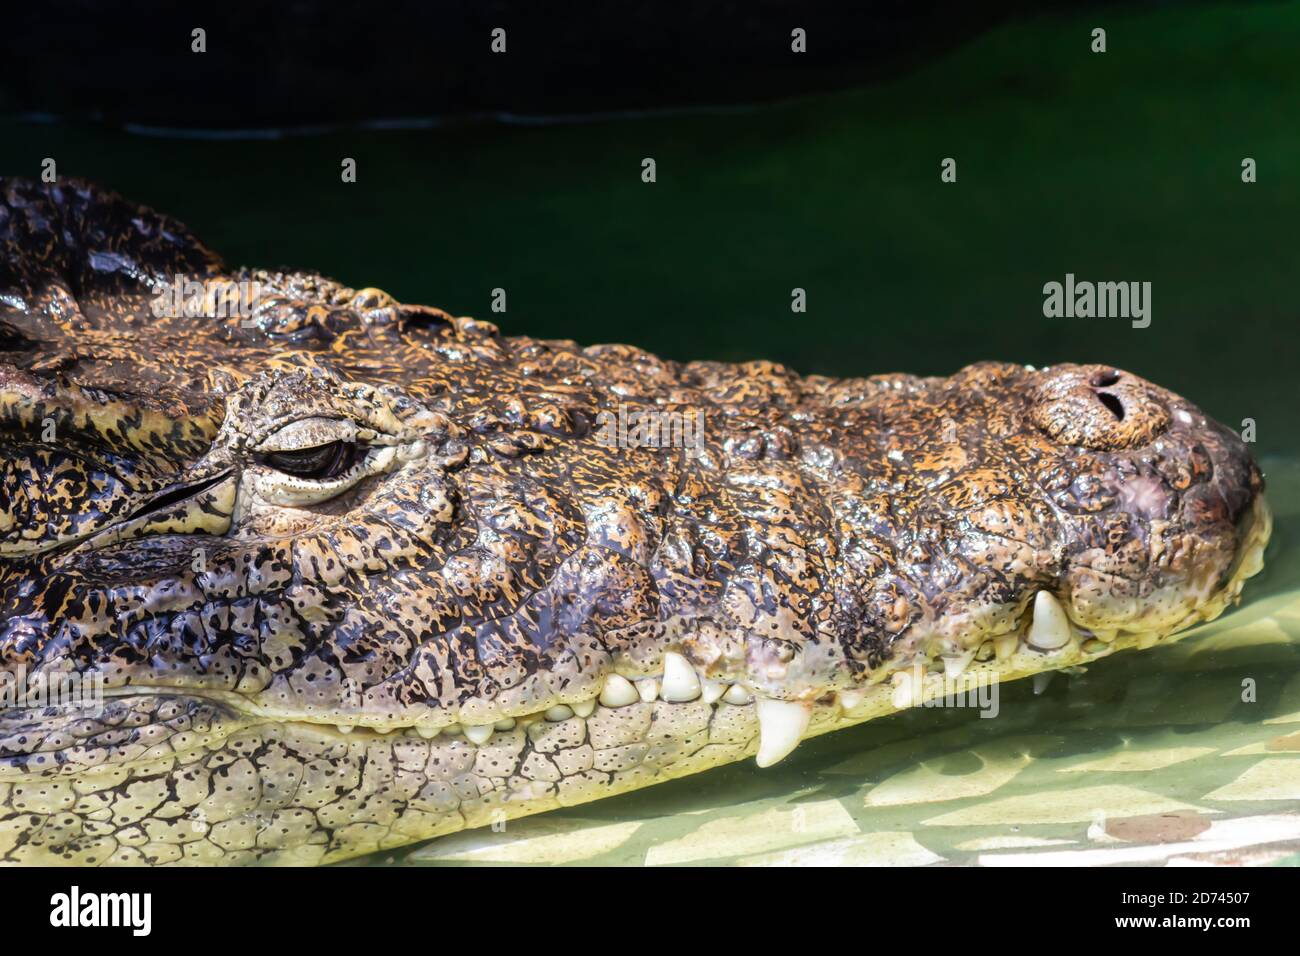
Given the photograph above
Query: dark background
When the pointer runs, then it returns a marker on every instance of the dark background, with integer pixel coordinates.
(775, 171)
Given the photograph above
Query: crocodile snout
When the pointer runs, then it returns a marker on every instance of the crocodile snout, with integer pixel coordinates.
(1098, 407)
(1157, 502)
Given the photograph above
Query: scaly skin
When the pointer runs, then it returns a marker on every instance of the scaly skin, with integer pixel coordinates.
(303, 669)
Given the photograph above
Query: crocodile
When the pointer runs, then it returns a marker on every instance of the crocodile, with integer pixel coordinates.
(325, 573)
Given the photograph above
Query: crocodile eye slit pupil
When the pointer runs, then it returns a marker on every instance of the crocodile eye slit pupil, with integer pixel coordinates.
(319, 462)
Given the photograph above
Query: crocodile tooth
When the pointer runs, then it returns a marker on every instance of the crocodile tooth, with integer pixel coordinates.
(850, 699)
(559, 712)
(428, 733)
(781, 724)
(478, 733)
(1050, 628)
(648, 689)
(345, 728)
(1005, 645)
(583, 708)
(712, 690)
(680, 682)
(1042, 680)
(618, 692)
(737, 695)
(507, 724)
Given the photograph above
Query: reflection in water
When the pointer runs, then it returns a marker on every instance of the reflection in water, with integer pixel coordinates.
(1184, 752)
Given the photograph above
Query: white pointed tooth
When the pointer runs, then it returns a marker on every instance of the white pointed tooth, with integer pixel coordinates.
(478, 733)
(712, 690)
(583, 708)
(781, 724)
(954, 667)
(1042, 680)
(506, 724)
(428, 733)
(1005, 645)
(850, 699)
(737, 695)
(680, 681)
(345, 728)
(648, 689)
(559, 712)
(618, 692)
(1050, 628)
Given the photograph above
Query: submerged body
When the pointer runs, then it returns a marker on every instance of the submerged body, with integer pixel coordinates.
(355, 573)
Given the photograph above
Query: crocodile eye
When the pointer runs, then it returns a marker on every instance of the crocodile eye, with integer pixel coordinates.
(318, 463)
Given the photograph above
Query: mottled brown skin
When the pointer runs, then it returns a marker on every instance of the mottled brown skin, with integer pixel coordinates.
(503, 558)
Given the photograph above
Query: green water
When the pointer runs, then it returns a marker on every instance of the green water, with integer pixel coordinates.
(1122, 166)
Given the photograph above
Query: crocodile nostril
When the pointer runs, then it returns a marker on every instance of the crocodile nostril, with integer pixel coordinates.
(1098, 406)
(1113, 404)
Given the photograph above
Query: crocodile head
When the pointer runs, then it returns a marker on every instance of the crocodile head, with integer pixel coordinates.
(344, 573)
